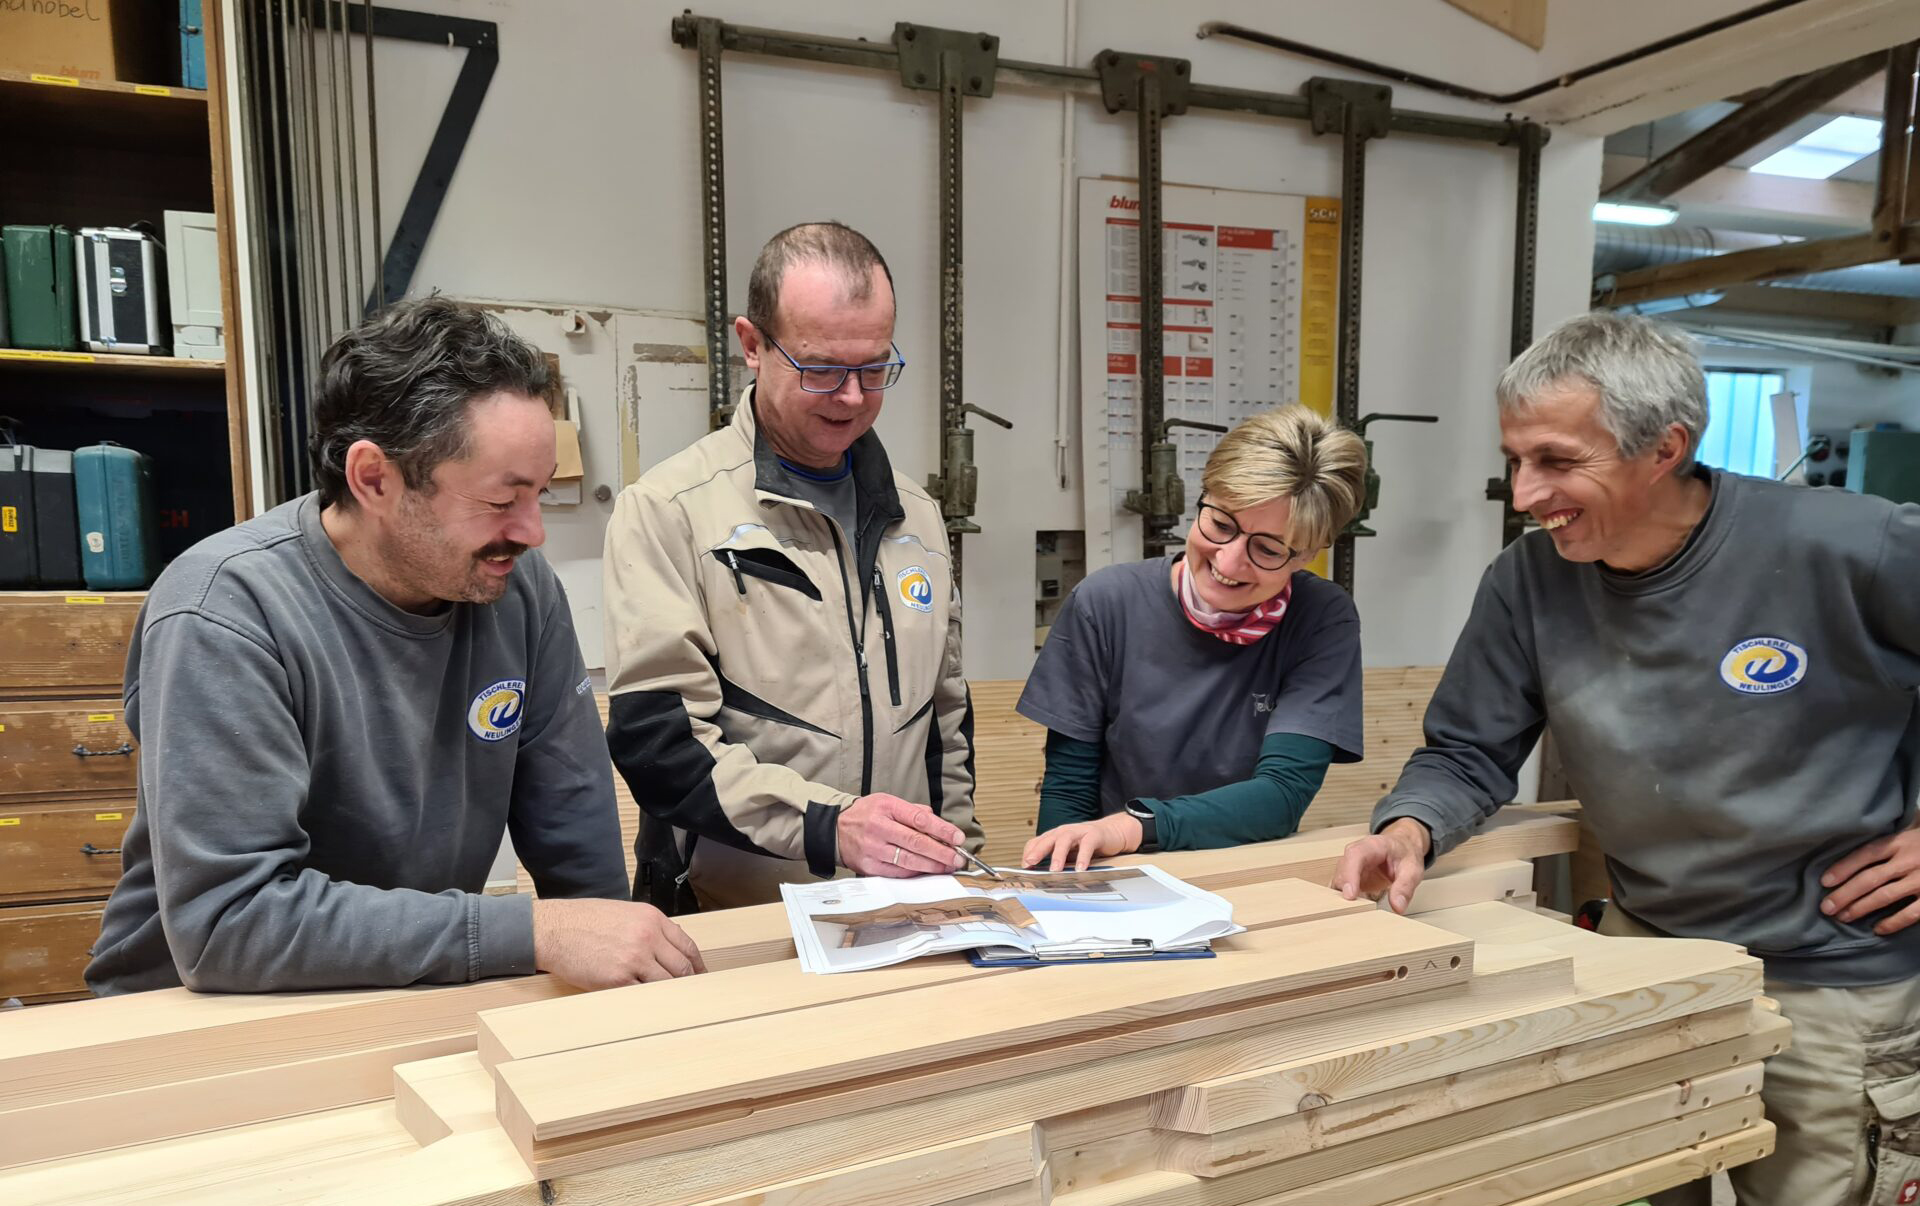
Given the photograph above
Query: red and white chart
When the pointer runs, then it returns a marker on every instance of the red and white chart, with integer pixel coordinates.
(1232, 317)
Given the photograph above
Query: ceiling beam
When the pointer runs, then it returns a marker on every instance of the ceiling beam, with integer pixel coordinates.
(1864, 309)
(1890, 195)
(1840, 205)
(1812, 33)
(1743, 129)
(1758, 265)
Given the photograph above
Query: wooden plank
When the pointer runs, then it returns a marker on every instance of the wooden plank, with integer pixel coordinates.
(1646, 1178)
(45, 952)
(1620, 984)
(1524, 21)
(1491, 1099)
(1487, 1171)
(619, 1014)
(117, 1044)
(820, 1146)
(1503, 881)
(192, 1106)
(1391, 728)
(932, 1176)
(1313, 856)
(665, 1093)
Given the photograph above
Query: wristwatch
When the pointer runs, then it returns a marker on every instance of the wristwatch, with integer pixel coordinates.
(1149, 830)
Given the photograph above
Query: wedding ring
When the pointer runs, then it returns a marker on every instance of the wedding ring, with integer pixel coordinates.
(896, 856)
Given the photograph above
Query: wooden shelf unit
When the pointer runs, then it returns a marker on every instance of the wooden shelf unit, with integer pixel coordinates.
(20, 360)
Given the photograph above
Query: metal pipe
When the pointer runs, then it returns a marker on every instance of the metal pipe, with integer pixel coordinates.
(259, 267)
(1063, 410)
(713, 216)
(339, 164)
(373, 172)
(1153, 379)
(1078, 81)
(318, 213)
(359, 291)
(1464, 92)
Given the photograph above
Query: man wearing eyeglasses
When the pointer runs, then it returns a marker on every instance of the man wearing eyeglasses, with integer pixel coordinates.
(783, 628)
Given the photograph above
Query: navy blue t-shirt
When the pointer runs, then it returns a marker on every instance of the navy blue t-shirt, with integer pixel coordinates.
(1179, 711)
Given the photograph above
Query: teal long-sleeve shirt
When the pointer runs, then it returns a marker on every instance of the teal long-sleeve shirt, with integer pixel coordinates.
(1259, 809)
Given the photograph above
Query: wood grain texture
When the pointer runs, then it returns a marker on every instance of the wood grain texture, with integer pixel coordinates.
(1621, 984)
(1486, 1171)
(53, 648)
(970, 1033)
(45, 851)
(1645, 1178)
(619, 1014)
(37, 744)
(1524, 21)
(1490, 1099)
(44, 952)
(1503, 881)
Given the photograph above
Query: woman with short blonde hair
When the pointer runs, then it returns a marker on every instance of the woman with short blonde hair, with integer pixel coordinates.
(1181, 712)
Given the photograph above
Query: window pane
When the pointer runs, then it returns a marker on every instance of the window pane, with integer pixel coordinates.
(1739, 435)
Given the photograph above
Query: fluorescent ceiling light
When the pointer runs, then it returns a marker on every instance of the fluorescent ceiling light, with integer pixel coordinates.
(1634, 215)
(1839, 144)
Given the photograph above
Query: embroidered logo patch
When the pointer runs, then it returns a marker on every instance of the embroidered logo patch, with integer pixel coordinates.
(1763, 666)
(1910, 1193)
(495, 713)
(914, 588)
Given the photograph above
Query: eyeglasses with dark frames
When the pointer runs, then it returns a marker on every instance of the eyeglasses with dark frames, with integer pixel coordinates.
(829, 378)
(1218, 527)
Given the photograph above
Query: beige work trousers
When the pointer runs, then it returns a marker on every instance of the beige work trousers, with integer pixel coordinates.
(1844, 1097)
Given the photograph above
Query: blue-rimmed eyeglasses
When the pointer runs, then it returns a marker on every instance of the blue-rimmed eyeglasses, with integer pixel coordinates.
(828, 378)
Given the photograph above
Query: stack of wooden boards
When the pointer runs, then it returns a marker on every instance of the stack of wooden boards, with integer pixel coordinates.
(1477, 1053)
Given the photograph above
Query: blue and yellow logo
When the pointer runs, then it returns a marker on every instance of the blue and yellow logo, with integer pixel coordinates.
(495, 713)
(915, 588)
(1763, 666)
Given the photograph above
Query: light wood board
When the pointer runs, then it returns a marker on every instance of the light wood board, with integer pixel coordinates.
(615, 1015)
(1485, 1102)
(1072, 1015)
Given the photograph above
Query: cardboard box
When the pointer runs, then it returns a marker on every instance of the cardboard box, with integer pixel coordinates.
(130, 41)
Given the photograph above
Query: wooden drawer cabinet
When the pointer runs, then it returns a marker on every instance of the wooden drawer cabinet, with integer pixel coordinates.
(44, 950)
(64, 646)
(69, 775)
(53, 852)
(59, 750)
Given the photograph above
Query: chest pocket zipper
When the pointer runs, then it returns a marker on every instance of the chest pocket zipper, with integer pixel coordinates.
(886, 635)
(769, 567)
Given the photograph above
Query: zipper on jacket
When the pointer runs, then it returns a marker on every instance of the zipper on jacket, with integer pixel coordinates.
(733, 563)
(1873, 1150)
(885, 609)
(854, 628)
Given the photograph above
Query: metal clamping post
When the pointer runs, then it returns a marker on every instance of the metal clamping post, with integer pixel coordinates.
(957, 65)
(1526, 233)
(1357, 112)
(705, 36)
(1153, 88)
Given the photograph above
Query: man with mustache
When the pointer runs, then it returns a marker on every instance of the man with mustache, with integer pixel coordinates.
(343, 705)
(1729, 665)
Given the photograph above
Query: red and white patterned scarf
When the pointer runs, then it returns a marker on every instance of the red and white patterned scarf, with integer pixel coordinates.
(1233, 627)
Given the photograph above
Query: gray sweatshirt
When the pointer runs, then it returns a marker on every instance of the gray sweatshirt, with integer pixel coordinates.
(1733, 722)
(325, 778)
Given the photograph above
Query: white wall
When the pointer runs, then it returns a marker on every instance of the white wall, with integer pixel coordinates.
(579, 186)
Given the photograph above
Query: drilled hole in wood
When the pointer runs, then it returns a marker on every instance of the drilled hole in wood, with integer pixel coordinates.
(1705, 1102)
(1401, 974)
(1454, 962)
(1703, 1137)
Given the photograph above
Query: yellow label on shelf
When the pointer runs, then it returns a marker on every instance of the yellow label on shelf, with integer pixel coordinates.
(65, 357)
(9, 820)
(65, 81)
(9, 519)
(152, 90)
(3, 728)
(86, 598)
(109, 816)
(100, 718)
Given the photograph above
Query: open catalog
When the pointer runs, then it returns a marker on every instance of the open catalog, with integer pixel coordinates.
(853, 924)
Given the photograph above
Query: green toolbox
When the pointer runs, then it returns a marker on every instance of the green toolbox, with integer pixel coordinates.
(42, 309)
